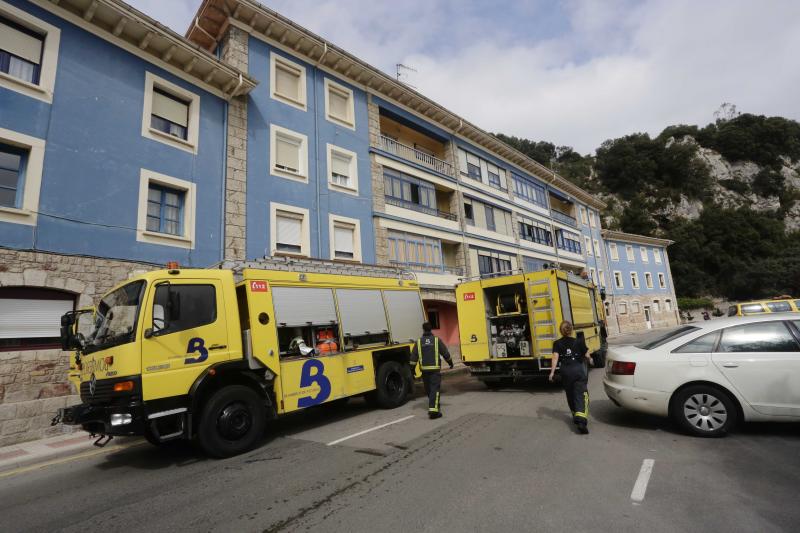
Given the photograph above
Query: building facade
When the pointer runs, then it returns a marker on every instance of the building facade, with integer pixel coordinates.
(124, 146)
(346, 163)
(112, 154)
(640, 293)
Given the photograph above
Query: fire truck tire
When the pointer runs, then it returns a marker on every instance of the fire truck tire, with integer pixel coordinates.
(232, 421)
(392, 385)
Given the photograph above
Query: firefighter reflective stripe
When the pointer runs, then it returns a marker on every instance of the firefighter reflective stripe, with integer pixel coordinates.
(435, 408)
(585, 412)
(437, 365)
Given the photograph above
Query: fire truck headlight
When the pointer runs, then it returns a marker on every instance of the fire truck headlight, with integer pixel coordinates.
(121, 419)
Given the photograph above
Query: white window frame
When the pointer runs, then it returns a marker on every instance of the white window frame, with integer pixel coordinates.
(613, 251)
(305, 236)
(618, 278)
(353, 168)
(350, 121)
(47, 73)
(592, 221)
(602, 277)
(593, 275)
(192, 141)
(662, 280)
(643, 254)
(27, 213)
(629, 255)
(333, 221)
(635, 280)
(587, 241)
(648, 280)
(657, 256)
(584, 217)
(274, 60)
(302, 173)
(597, 248)
(622, 308)
(187, 238)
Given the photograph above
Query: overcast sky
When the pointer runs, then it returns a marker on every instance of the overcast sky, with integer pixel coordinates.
(571, 72)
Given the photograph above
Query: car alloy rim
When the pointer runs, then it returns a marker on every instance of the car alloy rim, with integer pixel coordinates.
(705, 412)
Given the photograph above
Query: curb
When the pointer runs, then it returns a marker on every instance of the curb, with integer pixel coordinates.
(31, 455)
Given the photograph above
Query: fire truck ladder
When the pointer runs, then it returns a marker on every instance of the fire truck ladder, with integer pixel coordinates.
(543, 320)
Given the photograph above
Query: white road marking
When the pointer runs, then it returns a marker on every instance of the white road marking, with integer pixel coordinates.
(337, 441)
(639, 488)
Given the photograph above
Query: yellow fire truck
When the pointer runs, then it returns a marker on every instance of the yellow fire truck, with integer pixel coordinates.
(507, 324)
(211, 354)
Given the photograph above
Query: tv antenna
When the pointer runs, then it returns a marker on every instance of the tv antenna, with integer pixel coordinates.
(404, 74)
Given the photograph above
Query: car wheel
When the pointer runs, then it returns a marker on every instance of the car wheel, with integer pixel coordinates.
(704, 411)
(232, 421)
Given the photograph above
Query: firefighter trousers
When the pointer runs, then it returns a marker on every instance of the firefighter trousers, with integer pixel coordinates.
(432, 382)
(575, 378)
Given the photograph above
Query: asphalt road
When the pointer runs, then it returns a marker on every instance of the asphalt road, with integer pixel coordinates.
(498, 461)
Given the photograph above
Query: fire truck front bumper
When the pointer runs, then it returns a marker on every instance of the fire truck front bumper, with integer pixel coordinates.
(117, 420)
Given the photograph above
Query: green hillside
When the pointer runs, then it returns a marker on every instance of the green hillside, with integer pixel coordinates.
(727, 193)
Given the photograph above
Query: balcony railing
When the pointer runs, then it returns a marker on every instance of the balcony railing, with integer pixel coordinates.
(421, 208)
(564, 218)
(406, 152)
(432, 269)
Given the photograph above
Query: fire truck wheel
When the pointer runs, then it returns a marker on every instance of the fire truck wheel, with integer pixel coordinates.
(392, 384)
(232, 421)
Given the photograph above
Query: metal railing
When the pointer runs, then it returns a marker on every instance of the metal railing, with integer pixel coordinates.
(406, 152)
(421, 208)
(432, 269)
(564, 218)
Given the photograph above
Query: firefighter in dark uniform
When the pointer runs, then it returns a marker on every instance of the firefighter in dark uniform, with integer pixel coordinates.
(428, 349)
(572, 353)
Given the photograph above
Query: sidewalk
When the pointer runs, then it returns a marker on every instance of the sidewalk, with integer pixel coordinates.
(37, 453)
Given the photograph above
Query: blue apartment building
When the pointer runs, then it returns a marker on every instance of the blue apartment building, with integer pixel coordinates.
(640, 293)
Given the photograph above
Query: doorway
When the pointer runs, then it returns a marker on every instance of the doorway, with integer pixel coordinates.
(648, 317)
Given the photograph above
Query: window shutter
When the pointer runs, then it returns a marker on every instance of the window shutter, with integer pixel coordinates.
(25, 319)
(287, 82)
(20, 44)
(287, 153)
(473, 160)
(343, 237)
(462, 160)
(340, 164)
(289, 230)
(170, 109)
(338, 103)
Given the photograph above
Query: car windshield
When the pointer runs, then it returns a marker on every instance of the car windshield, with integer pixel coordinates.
(666, 337)
(115, 320)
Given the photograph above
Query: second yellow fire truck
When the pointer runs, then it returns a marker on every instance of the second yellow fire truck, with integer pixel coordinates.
(507, 324)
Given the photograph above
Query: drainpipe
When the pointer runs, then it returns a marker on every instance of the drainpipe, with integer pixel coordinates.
(224, 181)
(316, 150)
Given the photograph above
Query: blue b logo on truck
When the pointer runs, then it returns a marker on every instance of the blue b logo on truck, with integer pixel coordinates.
(311, 373)
(196, 345)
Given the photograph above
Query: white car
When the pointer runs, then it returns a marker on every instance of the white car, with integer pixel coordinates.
(710, 375)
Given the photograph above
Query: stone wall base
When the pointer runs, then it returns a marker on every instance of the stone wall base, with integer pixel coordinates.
(33, 383)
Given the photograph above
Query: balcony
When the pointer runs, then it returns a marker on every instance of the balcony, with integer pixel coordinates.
(412, 154)
(420, 208)
(564, 218)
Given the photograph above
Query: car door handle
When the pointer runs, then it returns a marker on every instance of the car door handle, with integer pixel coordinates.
(217, 347)
(730, 364)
